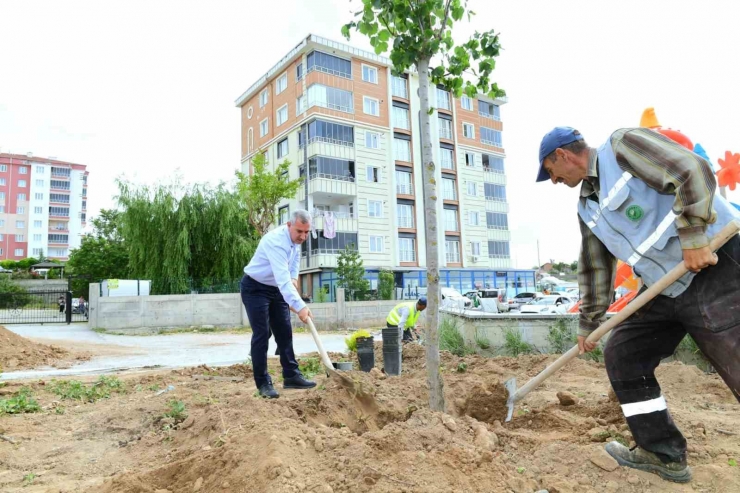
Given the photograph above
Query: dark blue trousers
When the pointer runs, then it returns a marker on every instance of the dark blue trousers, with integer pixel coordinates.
(267, 311)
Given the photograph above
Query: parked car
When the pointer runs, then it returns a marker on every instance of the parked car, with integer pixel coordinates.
(454, 295)
(550, 304)
(522, 298)
(499, 294)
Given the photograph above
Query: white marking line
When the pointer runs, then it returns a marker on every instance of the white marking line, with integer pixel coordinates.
(644, 407)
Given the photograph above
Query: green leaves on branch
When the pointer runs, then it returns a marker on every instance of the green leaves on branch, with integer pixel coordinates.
(423, 30)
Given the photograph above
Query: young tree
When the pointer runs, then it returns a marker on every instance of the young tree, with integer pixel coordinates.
(351, 272)
(263, 190)
(386, 283)
(419, 33)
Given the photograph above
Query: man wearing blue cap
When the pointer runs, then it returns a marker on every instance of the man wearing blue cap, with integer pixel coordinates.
(405, 315)
(651, 203)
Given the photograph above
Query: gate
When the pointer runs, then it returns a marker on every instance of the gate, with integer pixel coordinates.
(41, 307)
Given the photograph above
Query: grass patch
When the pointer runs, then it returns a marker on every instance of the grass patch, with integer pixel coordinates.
(309, 367)
(561, 336)
(99, 330)
(29, 478)
(176, 411)
(450, 338)
(462, 367)
(21, 403)
(481, 340)
(514, 343)
(78, 391)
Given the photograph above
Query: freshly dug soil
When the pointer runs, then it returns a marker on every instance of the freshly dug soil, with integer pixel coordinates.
(18, 353)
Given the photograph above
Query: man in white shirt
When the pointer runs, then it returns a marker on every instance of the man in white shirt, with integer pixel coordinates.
(269, 292)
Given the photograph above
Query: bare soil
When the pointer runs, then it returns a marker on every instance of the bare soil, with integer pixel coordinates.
(326, 440)
(18, 353)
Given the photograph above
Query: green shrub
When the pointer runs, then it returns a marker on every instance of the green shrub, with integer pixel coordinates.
(351, 341)
(22, 402)
(450, 338)
(176, 411)
(386, 283)
(481, 340)
(322, 295)
(514, 344)
(310, 367)
(561, 336)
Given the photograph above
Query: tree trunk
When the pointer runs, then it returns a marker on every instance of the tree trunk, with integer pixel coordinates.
(434, 379)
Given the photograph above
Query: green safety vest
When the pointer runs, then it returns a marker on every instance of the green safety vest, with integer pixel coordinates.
(394, 317)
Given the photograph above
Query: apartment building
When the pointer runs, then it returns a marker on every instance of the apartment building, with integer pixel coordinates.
(342, 119)
(43, 206)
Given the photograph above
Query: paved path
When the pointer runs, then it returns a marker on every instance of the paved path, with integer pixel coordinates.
(137, 352)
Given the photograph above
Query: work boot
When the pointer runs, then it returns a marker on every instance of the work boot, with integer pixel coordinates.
(298, 382)
(641, 459)
(267, 390)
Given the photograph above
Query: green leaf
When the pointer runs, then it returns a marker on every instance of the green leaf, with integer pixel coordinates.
(431, 111)
(732, 462)
(381, 47)
(345, 30)
(384, 35)
(457, 13)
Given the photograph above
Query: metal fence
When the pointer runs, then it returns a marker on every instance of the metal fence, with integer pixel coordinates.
(41, 307)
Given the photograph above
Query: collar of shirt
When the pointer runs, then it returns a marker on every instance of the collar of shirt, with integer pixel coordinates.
(590, 184)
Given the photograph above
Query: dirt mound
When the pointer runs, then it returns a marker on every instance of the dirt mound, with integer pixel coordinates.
(17, 353)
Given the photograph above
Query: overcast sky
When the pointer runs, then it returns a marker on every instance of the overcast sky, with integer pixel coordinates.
(147, 88)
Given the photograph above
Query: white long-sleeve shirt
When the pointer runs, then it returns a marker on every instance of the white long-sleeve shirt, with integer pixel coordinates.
(276, 263)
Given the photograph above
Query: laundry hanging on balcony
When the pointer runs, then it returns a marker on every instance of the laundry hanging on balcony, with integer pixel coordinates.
(330, 230)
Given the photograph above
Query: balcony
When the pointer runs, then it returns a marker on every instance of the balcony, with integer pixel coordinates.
(343, 221)
(494, 176)
(499, 235)
(328, 184)
(406, 222)
(490, 116)
(320, 258)
(496, 205)
(445, 133)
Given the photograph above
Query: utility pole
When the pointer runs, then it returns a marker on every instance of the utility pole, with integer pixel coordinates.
(538, 256)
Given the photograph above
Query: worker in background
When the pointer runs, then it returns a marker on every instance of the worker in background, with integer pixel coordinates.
(405, 315)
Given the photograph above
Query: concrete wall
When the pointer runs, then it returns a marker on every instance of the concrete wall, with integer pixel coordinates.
(42, 285)
(218, 310)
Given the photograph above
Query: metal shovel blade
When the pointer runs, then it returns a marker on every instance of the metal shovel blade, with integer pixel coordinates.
(510, 385)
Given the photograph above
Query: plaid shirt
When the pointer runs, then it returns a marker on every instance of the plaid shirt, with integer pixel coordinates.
(664, 166)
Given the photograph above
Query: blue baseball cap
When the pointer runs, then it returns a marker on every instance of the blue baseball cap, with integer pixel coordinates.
(422, 301)
(557, 137)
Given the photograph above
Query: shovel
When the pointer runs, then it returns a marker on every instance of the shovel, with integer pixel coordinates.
(676, 273)
(330, 371)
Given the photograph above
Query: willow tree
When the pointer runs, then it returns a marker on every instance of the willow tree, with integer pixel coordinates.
(418, 34)
(184, 237)
(262, 191)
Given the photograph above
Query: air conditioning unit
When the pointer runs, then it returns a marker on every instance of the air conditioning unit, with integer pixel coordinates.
(474, 258)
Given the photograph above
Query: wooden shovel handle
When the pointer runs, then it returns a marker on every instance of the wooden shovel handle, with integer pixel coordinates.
(675, 274)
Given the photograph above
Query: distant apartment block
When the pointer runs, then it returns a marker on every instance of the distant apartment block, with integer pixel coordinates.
(43, 206)
(353, 130)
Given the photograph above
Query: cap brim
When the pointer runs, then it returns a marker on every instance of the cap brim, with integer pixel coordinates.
(543, 175)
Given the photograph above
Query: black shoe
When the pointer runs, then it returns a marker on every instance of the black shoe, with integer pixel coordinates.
(639, 458)
(298, 382)
(268, 391)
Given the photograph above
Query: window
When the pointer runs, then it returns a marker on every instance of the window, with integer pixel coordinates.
(443, 99)
(490, 137)
(2, 209)
(452, 252)
(451, 220)
(498, 249)
(2, 195)
(445, 158)
(22, 197)
(39, 210)
(466, 103)
(329, 64)
(281, 84)
(3, 168)
(334, 133)
(472, 188)
(370, 106)
(2, 224)
(282, 149)
(493, 164)
(399, 87)
(40, 170)
(83, 217)
(330, 97)
(37, 224)
(58, 252)
(65, 172)
(84, 204)
(402, 150)
(55, 238)
(299, 71)
(376, 244)
(401, 118)
(369, 74)
(470, 159)
(497, 220)
(39, 196)
(263, 97)
(36, 252)
(18, 252)
(59, 211)
(3, 183)
(60, 184)
(282, 115)
(20, 224)
(22, 183)
(59, 197)
(20, 237)
(403, 183)
(475, 248)
(374, 208)
(372, 140)
(264, 128)
(469, 130)
(445, 128)
(474, 218)
(20, 210)
(489, 110)
(496, 193)
(405, 213)
(39, 183)
(283, 214)
(373, 174)
(37, 237)
(300, 104)
(406, 250)
(23, 170)
(448, 189)
(335, 169)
